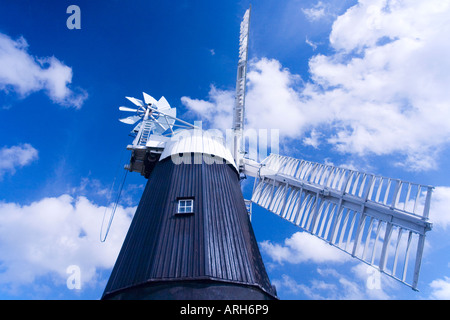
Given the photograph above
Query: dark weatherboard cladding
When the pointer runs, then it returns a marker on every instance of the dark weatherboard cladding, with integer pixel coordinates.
(210, 253)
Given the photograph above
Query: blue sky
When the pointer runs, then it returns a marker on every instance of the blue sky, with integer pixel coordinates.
(360, 84)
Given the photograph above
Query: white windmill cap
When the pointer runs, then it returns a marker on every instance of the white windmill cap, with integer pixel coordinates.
(197, 141)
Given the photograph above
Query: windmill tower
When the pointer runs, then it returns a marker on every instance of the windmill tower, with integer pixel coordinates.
(191, 236)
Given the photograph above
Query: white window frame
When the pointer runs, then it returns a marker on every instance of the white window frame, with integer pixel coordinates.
(185, 206)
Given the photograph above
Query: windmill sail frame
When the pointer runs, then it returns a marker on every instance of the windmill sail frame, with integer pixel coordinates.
(241, 78)
(375, 219)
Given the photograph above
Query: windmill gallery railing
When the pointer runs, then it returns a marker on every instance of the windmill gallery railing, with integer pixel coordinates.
(380, 221)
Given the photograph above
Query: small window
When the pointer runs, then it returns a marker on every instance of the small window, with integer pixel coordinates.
(185, 206)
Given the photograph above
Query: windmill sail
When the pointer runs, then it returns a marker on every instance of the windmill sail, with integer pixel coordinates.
(380, 221)
(239, 105)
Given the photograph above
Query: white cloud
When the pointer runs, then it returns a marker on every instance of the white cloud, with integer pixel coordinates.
(391, 95)
(316, 12)
(16, 157)
(47, 236)
(440, 207)
(311, 44)
(348, 280)
(273, 101)
(24, 74)
(302, 247)
(330, 283)
(216, 111)
(382, 91)
(313, 139)
(317, 290)
(103, 194)
(440, 289)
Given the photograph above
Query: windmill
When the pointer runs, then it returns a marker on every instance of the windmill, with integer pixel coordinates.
(191, 236)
